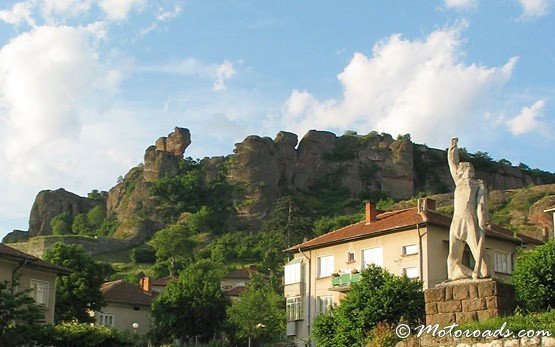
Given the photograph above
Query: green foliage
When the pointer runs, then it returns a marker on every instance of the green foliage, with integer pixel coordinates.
(79, 292)
(61, 224)
(97, 196)
(19, 316)
(188, 191)
(382, 335)
(259, 313)
(96, 216)
(80, 225)
(194, 306)
(379, 297)
(143, 255)
(533, 321)
(174, 246)
(386, 204)
(83, 335)
(326, 224)
(521, 201)
(346, 148)
(534, 277)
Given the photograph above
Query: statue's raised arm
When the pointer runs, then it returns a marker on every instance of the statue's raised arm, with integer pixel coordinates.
(453, 158)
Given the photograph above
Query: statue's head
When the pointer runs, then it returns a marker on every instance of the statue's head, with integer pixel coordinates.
(465, 170)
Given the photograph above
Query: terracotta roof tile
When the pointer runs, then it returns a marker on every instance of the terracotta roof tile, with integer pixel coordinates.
(126, 293)
(163, 281)
(32, 261)
(242, 273)
(397, 220)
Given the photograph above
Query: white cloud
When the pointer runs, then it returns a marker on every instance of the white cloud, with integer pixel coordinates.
(190, 66)
(48, 77)
(461, 4)
(119, 9)
(419, 87)
(168, 14)
(527, 120)
(534, 8)
(224, 72)
(20, 12)
(65, 8)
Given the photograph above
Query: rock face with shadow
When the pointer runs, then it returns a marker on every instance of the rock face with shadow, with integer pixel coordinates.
(262, 169)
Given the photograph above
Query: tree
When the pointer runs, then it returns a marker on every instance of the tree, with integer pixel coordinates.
(379, 297)
(192, 307)
(79, 292)
(19, 316)
(534, 277)
(96, 217)
(259, 313)
(61, 224)
(174, 246)
(80, 225)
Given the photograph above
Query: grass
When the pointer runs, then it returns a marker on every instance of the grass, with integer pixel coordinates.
(123, 265)
(533, 321)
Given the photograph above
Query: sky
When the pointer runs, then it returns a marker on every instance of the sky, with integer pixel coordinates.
(87, 85)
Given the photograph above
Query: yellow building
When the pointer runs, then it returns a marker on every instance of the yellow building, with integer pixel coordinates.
(413, 242)
(30, 272)
(127, 306)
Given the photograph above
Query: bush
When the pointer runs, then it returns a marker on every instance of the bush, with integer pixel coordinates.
(534, 278)
(72, 334)
(143, 255)
(379, 298)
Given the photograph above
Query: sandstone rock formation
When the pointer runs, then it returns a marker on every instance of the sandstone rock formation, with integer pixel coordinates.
(50, 203)
(162, 159)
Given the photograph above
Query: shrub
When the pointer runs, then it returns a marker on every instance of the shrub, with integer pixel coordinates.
(379, 298)
(143, 255)
(534, 277)
(72, 334)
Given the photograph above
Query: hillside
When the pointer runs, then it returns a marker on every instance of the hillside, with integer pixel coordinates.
(270, 193)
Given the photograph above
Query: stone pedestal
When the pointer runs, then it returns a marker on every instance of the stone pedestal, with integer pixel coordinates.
(468, 300)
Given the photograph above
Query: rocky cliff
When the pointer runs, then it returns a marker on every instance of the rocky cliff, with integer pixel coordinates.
(262, 169)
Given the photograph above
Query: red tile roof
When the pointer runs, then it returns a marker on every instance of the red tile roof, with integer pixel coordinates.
(387, 222)
(31, 261)
(163, 281)
(125, 293)
(242, 273)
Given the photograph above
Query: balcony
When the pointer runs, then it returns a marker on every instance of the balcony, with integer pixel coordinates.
(341, 282)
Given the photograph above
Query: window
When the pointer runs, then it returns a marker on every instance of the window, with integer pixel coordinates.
(292, 272)
(325, 266)
(106, 319)
(324, 303)
(40, 292)
(372, 256)
(350, 257)
(410, 249)
(293, 309)
(502, 262)
(411, 272)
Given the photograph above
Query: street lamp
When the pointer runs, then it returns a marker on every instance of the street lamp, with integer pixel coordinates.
(135, 326)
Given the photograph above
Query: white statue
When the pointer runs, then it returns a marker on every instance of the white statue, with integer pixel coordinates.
(470, 218)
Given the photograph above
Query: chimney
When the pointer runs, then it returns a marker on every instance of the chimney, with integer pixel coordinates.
(426, 204)
(144, 284)
(371, 212)
(545, 234)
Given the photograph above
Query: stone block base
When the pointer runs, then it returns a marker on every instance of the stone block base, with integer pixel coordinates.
(464, 301)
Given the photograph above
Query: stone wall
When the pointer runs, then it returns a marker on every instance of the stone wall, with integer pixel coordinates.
(37, 246)
(468, 301)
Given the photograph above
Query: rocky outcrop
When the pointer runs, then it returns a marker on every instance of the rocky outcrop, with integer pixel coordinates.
(162, 159)
(16, 236)
(51, 203)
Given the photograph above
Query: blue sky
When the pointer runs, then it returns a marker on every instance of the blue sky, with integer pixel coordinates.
(87, 85)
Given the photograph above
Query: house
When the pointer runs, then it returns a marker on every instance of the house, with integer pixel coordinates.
(30, 272)
(552, 211)
(235, 283)
(158, 285)
(413, 242)
(128, 306)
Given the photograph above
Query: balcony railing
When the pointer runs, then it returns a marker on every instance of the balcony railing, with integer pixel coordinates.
(342, 282)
